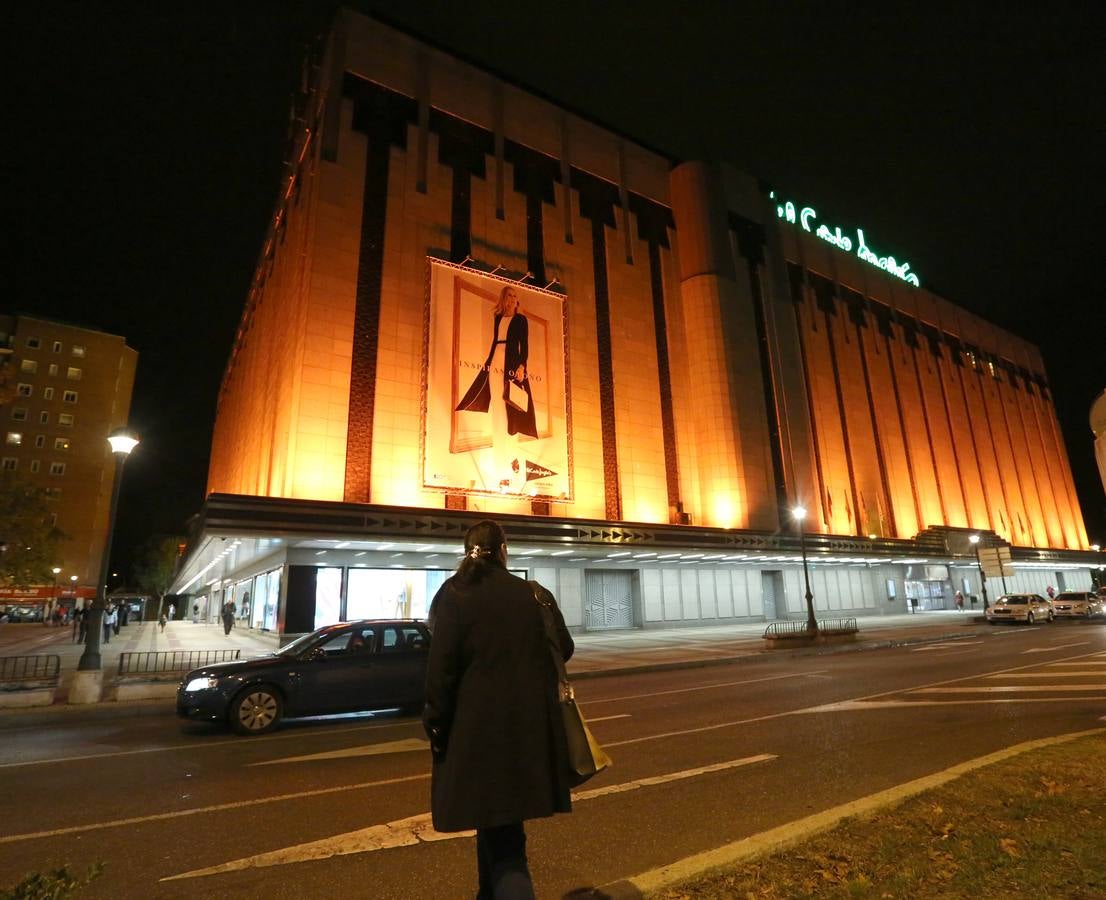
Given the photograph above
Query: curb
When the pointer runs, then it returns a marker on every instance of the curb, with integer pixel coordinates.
(782, 837)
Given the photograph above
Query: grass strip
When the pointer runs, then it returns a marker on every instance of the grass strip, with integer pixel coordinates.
(1033, 825)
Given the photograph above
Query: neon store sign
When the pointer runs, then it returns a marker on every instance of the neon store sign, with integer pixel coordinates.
(806, 218)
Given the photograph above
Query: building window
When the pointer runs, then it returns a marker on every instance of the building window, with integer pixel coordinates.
(57, 468)
(24, 390)
(34, 465)
(40, 441)
(15, 438)
(57, 346)
(10, 464)
(69, 397)
(73, 373)
(78, 350)
(19, 414)
(61, 443)
(65, 419)
(33, 343)
(53, 520)
(48, 393)
(29, 366)
(44, 418)
(52, 493)
(53, 368)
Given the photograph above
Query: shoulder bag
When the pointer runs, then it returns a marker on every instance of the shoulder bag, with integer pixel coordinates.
(585, 756)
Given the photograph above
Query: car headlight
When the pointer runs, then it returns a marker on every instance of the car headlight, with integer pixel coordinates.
(202, 684)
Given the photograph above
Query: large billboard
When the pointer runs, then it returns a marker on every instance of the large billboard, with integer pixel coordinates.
(495, 412)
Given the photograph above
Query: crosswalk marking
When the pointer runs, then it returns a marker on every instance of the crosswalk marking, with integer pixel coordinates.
(416, 829)
(1057, 647)
(943, 646)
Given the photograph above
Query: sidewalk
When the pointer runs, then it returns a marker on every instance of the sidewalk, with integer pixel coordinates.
(597, 653)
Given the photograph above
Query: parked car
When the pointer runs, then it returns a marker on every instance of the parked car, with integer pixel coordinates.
(350, 667)
(1077, 605)
(1027, 608)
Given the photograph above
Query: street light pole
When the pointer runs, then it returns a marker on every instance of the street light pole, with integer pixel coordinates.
(798, 513)
(54, 599)
(982, 575)
(122, 443)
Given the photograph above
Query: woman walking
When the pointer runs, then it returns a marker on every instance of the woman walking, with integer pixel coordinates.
(491, 712)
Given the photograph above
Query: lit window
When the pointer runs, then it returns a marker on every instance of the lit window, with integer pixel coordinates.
(73, 373)
(65, 419)
(44, 418)
(53, 368)
(40, 441)
(28, 365)
(35, 465)
(33, 343)
(53, 520)
(78, 350)
(14, 437)
(52, 493)
(57, 346)
(48, 393)
(61, 443)
(25, 390)
(69, 397)
(57, 468)
(10, 464)
(19, 414)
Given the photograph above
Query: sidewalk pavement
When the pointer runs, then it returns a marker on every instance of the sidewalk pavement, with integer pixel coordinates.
(597, 653)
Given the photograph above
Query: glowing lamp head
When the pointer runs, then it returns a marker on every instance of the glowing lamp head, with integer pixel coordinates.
(56, 570)
(798, 513)
(122, 442)
(1095, 547)
(72, 577)
(974, 538)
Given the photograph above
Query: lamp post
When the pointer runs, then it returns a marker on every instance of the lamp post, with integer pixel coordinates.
(54, 598)
(982, 575)
(798, 513)
(122, 443)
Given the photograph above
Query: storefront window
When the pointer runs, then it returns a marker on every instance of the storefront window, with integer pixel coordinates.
(391, 593)
(328, 597)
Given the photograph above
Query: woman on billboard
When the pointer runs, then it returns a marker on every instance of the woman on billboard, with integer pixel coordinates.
(508, 354)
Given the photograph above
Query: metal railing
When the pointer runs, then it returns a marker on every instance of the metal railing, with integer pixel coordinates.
(797, 628)
(41, 667)
(151, 662)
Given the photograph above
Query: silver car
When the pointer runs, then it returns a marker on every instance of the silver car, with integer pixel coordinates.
(1077, 605)
(1027, 608)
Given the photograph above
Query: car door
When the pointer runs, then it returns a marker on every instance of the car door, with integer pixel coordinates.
(400, 673)
(331, 675)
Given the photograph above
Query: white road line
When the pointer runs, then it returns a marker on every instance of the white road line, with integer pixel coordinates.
(234, 743)
(406, 745)
(1089, 662)
(703, 687)
(1052, 649)
(413, 829)
(592, 721)
(1008, 688)
(1069, 674)
(850, 705)
(948, 646)
(116, 823)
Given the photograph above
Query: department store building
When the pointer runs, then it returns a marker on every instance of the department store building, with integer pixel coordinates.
(473, 303)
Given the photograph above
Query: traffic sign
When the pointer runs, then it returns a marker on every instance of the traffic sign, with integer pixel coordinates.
(995, 561)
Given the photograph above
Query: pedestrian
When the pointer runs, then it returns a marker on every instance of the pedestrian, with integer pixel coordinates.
(229, 609)
(959, 601)
(172, 611)
(117, 617)
(1051, 593)
(82, 624)
(108, 622)
(195, 613)
(492, 716)
(161, 622)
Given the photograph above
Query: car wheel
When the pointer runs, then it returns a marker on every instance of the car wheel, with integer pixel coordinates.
(256, 710)
(1029, 619)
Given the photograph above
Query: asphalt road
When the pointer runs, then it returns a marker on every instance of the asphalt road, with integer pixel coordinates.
(702, 757)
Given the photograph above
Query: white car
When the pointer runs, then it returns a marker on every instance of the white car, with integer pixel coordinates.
(1027, 608)
(1077, 605)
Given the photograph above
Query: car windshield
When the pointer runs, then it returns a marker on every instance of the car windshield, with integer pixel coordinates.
(1015, 601)
(298, 645)
(1076, 598)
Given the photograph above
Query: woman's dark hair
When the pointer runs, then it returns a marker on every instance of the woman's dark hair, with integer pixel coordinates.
(482, 543)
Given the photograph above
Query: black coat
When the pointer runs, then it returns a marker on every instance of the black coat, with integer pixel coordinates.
(491, 706)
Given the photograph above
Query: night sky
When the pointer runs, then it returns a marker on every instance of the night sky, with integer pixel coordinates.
(145, 143)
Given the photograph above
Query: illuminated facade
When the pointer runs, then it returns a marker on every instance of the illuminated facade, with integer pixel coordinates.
(64, 390)
(474, 302)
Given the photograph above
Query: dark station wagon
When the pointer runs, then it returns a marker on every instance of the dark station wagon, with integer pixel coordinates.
(350, 667)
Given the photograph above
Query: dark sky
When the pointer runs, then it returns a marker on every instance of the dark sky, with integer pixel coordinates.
(146, 143)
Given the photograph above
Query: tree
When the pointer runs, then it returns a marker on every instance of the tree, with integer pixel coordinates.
(29, 541)
(156, 565)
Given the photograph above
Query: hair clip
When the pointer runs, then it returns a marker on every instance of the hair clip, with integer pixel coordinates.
(474, 553)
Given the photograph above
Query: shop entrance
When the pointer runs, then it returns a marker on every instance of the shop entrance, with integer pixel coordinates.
(925, 595)
(771, 588)
(610, 600)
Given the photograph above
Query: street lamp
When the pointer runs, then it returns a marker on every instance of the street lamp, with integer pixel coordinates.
(798, 513)
(54, 600)
(122, 443)
(982, 575)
